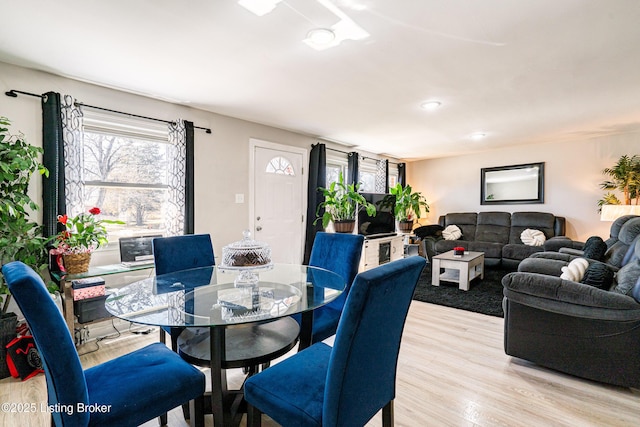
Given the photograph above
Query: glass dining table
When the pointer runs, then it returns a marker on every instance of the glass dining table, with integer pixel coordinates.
(222, 299)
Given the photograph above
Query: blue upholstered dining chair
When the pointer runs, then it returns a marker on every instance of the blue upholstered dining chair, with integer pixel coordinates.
(178, 253)
(126, 391)
(340, 253)
(349, 384)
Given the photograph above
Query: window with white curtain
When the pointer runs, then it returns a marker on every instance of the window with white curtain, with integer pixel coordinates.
(367, 175)
(125, 164)
(336, 163)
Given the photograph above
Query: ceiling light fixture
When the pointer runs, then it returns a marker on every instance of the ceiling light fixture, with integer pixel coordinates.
(478, 135)
(430, 105)
(320, 37)
(344, 29)
(259, 7)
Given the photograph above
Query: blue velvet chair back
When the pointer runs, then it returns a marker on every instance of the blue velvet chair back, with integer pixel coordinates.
(66, 383)
(340, 253)
(362, 371)
(182, 252)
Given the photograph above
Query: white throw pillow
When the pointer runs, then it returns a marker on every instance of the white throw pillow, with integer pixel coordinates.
(575, 270)
(532, 237)
(452, 232)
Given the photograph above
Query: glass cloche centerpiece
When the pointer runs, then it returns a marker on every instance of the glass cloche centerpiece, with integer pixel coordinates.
(248, 257)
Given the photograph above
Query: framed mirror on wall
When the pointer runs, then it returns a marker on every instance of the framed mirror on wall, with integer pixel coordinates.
(516, 184)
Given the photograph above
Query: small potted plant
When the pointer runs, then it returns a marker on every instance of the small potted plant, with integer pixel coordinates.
(341, 203)
(82, 235)
(408, 206)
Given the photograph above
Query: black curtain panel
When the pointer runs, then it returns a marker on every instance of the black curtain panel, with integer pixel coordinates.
(402, 174)
(53, 195)
(352, 166)
(317, 178)
(386, 176)
(189, 215)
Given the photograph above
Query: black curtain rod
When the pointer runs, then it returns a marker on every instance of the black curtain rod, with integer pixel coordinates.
(369, 158)
(14, 94)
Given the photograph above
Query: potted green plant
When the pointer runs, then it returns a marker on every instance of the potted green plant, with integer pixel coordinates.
(625, 177)
(20, 237)
(341, 203)
(408, 206)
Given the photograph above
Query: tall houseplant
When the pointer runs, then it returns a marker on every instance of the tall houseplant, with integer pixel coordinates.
(408, 206)
(341, 203)
(624, 176)
(20, 237)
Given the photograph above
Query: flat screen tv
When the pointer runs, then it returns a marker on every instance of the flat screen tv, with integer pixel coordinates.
(383, 223)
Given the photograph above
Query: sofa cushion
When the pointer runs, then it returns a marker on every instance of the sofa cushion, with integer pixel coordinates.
(598, 275)
(520, 221)
(493, 227)
(617, 251)
(491, 250)
(452, 232)
(518, 251)
(466, 221)
(594, 248)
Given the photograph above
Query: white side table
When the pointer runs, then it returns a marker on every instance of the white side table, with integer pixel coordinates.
(460, 269)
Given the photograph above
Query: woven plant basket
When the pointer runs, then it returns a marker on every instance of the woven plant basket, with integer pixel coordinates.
(77, 263)
(405, 226)
(345, 226)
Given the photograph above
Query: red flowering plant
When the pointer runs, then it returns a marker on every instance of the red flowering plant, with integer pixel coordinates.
(84, 233)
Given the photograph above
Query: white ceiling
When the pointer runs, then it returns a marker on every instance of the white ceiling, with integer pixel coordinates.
(521, 71)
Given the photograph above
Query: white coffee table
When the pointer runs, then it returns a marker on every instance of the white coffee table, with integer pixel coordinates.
(460, 269)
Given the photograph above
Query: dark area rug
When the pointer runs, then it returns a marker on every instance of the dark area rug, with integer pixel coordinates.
(484, 296)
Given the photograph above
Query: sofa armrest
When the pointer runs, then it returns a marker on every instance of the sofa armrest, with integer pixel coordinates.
(569, 298)
(571, 251)
(557, 243)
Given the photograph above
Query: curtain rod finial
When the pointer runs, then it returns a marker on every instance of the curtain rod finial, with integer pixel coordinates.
(11, 93)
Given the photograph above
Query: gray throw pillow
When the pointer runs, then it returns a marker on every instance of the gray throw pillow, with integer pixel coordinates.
(627, 277)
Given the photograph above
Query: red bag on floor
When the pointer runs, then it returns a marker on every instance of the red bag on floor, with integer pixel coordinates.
(23, 358)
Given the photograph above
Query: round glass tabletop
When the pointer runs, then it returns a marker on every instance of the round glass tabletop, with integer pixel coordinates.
(208, 296)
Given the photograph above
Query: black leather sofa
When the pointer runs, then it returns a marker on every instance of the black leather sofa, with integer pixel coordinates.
(573, 328)
(589, 329)
(497, 234)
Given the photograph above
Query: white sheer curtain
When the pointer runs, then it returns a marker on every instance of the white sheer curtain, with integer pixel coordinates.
(175, 215)
(72, 134)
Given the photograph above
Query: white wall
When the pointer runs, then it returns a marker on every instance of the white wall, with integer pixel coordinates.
(221, 158)
(573, 173)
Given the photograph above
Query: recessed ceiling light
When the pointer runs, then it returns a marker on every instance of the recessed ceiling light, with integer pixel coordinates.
(320, 37)
(430, 105)
(478, 135)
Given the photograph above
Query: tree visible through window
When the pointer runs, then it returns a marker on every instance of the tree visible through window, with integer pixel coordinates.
(126, 175)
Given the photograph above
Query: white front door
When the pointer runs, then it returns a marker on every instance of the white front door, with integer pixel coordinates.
(278, 199)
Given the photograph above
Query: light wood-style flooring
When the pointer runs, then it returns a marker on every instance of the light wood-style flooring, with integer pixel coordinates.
(452, 371)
